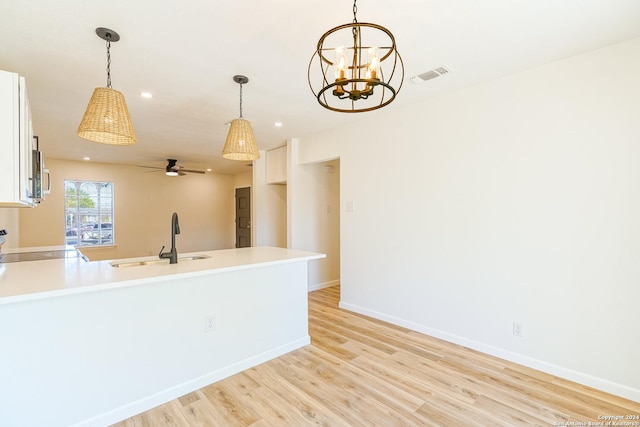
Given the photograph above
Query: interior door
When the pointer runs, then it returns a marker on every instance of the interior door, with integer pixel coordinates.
(243, 217)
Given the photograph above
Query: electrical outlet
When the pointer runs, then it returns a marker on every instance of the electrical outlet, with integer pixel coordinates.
(210, 323)
(517, 329)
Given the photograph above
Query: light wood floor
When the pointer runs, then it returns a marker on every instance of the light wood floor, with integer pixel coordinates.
(363, 372)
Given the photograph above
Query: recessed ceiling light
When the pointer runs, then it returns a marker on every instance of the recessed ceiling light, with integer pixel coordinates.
(278, 124)
(208, 169)
(146, 94)
(86, 158)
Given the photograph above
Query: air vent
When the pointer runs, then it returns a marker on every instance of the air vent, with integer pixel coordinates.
(431, 74)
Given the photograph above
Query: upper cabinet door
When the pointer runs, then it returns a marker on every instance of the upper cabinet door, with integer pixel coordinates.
(16, 142)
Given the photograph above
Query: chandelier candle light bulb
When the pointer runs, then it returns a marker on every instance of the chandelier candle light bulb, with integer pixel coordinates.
(341, 71)
(374, 65)
(341, 61)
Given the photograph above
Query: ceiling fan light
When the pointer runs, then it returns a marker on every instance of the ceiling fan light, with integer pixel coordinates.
(107, 119)
(171, 173)
(240, 143)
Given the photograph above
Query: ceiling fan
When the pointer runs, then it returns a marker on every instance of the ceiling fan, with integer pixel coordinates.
(173, 169)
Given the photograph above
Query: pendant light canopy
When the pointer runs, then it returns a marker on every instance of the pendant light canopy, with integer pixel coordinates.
(107, 119)
(359, 69)
(240, 143)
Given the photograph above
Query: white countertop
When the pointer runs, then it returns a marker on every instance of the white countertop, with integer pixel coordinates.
(22, 281)
(38, 249)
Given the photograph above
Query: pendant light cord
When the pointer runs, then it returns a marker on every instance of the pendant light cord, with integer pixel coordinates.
(240, 100)
(109, 61)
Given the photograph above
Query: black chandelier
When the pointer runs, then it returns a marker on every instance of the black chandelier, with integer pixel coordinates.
(354, 77)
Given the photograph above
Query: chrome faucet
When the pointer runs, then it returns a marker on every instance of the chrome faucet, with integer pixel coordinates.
(173, 253)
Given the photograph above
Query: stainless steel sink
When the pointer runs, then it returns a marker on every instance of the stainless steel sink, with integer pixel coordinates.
(157, 261)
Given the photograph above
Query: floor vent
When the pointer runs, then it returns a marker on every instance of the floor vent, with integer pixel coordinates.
(431, 74)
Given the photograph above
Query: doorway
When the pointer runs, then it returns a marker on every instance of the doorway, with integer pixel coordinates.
(243, 217)
(317, 222)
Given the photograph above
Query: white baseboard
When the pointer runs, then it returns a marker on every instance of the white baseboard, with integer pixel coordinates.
(317, 286)
(540, 365)
(149, 402)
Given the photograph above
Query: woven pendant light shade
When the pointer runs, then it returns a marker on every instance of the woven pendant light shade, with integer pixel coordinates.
(240, 143)
(107, 119)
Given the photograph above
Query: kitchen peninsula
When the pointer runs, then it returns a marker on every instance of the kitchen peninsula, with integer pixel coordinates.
(90, 343)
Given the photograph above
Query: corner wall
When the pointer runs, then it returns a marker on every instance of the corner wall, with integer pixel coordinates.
(513, 200)
(314, 214)
(269, 225)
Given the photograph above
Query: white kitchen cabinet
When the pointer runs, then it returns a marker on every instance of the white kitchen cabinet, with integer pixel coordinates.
(277, 166)
(16, 143)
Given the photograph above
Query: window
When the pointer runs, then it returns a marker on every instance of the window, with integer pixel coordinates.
(88, 212)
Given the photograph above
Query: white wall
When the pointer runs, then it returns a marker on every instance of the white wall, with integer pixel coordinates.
(269, 208)
(513, 200)
(325, 214)
(244, 179)
(314, 216)
(303, 214)
(143, 204)
(10, 221)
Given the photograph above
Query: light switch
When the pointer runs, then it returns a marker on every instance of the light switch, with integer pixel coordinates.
(349, 206)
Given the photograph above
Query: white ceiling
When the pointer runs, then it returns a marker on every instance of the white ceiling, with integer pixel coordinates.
(186, 53)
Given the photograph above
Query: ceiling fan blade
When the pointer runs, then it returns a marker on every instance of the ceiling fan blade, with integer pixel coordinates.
(172, 166)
